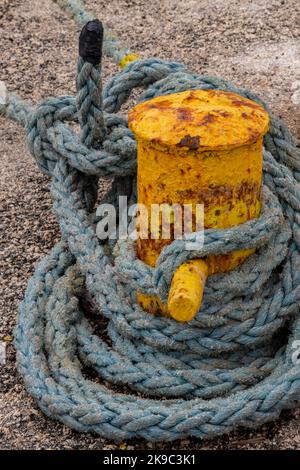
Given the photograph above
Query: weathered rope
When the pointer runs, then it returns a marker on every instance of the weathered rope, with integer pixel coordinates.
(225, 368)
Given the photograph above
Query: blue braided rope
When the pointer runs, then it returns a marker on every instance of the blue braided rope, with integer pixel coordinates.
(222, 370)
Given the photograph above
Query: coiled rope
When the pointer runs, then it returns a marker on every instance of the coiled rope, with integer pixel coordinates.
(229, 366)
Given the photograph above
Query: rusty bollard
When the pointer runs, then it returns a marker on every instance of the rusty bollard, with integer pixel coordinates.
(198, 147)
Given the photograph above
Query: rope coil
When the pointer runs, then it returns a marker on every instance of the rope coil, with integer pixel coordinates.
(223, 369)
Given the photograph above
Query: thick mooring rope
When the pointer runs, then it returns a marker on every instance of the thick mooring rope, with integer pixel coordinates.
(227, 367)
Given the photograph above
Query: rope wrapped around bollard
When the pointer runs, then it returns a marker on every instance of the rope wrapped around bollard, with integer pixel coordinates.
(223, 369)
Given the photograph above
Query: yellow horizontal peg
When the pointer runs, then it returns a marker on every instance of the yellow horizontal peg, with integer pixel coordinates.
(186, 292)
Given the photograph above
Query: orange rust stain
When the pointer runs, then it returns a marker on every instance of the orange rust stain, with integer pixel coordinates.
(192, 143)
(184, 114)
(224, 114)
(245, 103)
(160, 105)
(207, 119)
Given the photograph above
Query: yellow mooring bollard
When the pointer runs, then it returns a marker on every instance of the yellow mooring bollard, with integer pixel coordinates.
(198, 147)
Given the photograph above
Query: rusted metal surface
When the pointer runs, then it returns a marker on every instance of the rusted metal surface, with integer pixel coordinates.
(200, 147)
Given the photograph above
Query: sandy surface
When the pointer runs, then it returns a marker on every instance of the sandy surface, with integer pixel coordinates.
(254, 44)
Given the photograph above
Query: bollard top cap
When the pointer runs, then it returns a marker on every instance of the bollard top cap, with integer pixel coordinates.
(198, 120)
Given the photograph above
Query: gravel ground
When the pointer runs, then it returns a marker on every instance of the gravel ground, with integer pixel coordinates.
(254, 44)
